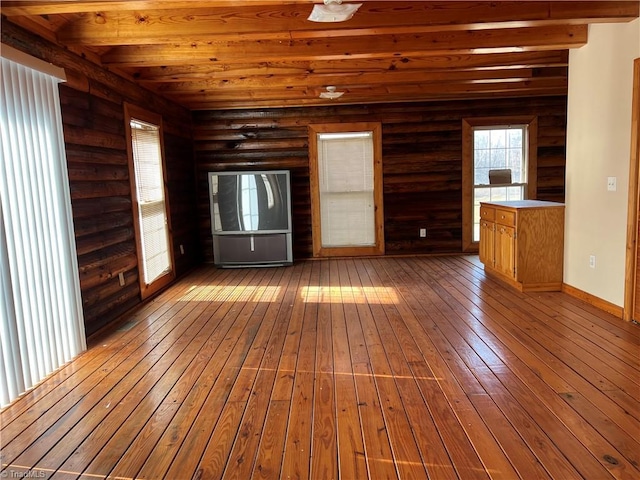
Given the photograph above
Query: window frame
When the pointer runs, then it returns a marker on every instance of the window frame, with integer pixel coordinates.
(138, 113)
(468, 183)
(379, 247)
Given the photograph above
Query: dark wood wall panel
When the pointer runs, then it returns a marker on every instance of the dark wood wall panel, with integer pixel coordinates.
(182, 199)
(422, 161)
(100, 195)
(99, 182)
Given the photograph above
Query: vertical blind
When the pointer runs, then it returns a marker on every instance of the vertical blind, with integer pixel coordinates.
(154, 232)
(345, 174)
(42, 324)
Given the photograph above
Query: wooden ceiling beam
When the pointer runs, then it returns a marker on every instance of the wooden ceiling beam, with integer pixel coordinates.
(54, 7)
(240, 84)
(281, 22)
(352, 92)
(217, 71)
(383, 46)
(401, 98)
(199, 103)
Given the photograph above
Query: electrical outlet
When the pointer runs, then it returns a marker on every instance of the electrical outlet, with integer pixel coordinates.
(181, 249)
(121, 279)
(612, 184)
(423, 232)
(592, 261)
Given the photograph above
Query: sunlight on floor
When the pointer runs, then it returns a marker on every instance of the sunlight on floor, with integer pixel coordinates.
(310, 294)
(346, 294)
(229, 293)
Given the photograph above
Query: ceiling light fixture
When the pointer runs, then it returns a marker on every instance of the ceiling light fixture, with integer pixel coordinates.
(331, 93)
(333, 11)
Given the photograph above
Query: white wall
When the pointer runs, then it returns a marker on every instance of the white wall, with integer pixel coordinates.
(599, 146)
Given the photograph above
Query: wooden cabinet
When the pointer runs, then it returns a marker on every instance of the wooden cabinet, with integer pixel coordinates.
(522, 243)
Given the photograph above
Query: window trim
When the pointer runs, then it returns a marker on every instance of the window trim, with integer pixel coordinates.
(531, 190)
(133, 111)
(316, 233)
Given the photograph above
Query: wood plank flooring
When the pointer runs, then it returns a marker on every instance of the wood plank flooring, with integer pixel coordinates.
(409, 368)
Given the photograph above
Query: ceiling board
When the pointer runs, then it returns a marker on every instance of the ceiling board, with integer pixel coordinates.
(265, 53)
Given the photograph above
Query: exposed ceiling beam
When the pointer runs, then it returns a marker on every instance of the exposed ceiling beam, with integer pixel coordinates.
(406, 95)
(213, 71)
(384, 78)
(46, 7)
(270, 22)
(382, 46)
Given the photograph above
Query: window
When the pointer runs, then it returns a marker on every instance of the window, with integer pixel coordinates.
(155, 262)
(499, 167)
(499, 163)
(41, 318)
(346, 183)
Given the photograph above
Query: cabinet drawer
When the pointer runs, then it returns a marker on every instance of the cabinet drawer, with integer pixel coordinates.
(506, 217)
(487, 213)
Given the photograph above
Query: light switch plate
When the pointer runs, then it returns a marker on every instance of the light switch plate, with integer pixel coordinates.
(612, 184)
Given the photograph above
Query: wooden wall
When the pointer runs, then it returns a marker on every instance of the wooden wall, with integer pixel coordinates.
(101, 200)
(422, 161)
(92, 102)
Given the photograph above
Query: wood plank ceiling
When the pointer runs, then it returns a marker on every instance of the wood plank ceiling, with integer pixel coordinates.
(223, 54)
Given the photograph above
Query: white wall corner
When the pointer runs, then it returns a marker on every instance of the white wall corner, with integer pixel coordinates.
(599, 146)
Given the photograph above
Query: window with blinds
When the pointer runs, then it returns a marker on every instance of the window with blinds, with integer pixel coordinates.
(154, 243)
(345, 168)
(346, 189)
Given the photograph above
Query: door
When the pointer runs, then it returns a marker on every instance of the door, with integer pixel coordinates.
(346, 189)
(487, 243)
(505, 250)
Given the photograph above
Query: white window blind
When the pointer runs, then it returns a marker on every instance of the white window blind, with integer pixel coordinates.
(42, 324)
(147, 159)
(345, 176)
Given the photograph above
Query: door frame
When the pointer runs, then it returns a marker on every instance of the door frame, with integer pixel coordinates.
(631, 264)
(316, 232)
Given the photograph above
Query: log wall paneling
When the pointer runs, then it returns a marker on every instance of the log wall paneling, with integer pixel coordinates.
(101, 198)
(422, 161)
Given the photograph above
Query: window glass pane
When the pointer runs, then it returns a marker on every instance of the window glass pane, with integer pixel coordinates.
(482, 158)
(515, 138)
(498, 158)
(498, 138)
(481, 176)
(481, 139)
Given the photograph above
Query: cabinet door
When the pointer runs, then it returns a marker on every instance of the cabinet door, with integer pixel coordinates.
(251, 249)
(505, 252)
(486, 247)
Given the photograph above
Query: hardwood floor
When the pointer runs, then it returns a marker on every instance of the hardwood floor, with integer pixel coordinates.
(409, 368)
